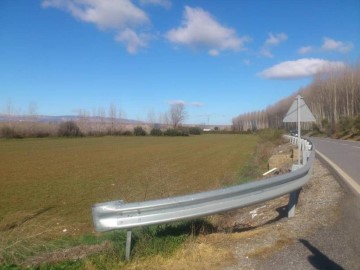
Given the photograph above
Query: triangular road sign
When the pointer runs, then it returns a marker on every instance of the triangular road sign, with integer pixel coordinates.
(305, 113)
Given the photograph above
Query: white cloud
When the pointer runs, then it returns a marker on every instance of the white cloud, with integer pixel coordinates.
(175, 102)
(120, 15)
(197, 104)
(115, 14)
(335, 45)
(306, 49)
(329, 44)
(214, 52)
(300, 68)
(182, 102)
(265, 51)
(132, 40)
(275, 39)
(272, 41)
(200, 30)
(163, 3)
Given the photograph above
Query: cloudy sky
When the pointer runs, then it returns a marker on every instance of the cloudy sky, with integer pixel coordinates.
(219, 58)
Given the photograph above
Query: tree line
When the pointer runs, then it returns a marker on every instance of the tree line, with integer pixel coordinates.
(97, 123)
(333, 97)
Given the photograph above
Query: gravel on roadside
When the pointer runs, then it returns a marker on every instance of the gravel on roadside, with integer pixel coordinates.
(324, 234)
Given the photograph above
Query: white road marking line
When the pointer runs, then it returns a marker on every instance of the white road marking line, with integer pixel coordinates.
(356, 147)
(344, 175)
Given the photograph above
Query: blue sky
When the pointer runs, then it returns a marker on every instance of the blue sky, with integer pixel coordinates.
(219, 58)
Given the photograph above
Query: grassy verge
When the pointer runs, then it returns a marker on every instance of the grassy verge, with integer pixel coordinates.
(258, 162)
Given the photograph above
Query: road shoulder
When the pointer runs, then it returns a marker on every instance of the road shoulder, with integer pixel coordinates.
(321, 233)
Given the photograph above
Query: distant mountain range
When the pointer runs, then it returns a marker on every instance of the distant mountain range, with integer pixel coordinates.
(93, 119)
(61, 118)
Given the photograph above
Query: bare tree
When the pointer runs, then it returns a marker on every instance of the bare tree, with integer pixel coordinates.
(32, 111)
(112, 116)
(9, 111)
(121, 117)
(84, 121)
(151, 118)
(177, 114)
(164, 119)
(101, 115)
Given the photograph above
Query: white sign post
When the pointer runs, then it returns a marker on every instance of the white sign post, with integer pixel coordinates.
(299, 112)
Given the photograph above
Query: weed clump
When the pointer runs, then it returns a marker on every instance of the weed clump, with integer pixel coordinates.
(10, 133)
(69, 129)
(156, 132)
(176, 132)
(139, 131)
(253, 168)
(271, 135)
(195, 131)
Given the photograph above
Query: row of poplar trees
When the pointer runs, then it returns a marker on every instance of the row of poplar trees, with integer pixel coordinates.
(332, 97)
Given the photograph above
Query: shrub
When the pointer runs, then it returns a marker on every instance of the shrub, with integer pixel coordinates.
(96, 133)
(195, 130)
(156, 132)
(69, 129)
(184, 132)
(139, 131)
(356, 127)
(117, 132)
(175, 132)
(271, 135)
(41, 134)
(10, 132)
(127, 133)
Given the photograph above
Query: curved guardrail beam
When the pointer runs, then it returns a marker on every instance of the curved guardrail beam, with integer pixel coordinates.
(119, 215)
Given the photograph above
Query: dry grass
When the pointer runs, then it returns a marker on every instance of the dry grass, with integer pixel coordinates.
(48, 185)
(267, 251)
(199, 253)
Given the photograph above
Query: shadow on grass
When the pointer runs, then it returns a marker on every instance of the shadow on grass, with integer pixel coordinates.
(193, 228)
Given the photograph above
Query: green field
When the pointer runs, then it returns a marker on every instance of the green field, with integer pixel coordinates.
(47, 186)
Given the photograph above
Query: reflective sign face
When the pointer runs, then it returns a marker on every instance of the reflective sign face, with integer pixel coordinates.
(305, 113)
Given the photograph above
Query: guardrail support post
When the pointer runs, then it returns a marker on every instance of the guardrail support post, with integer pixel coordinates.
(128, 245)
(305, 155)
(293, 200)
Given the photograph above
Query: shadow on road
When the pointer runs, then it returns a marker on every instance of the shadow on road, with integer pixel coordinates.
(319, 260)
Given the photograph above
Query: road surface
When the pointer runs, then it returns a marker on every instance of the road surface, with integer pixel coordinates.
(344, 154)
(335, 246)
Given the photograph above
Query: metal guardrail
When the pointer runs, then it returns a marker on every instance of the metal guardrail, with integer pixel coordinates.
(119, 215)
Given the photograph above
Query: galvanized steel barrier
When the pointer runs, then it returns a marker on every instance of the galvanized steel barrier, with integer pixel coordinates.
(119, 215)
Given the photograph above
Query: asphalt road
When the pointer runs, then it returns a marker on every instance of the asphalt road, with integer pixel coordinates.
(345, 154)
(336, 246)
